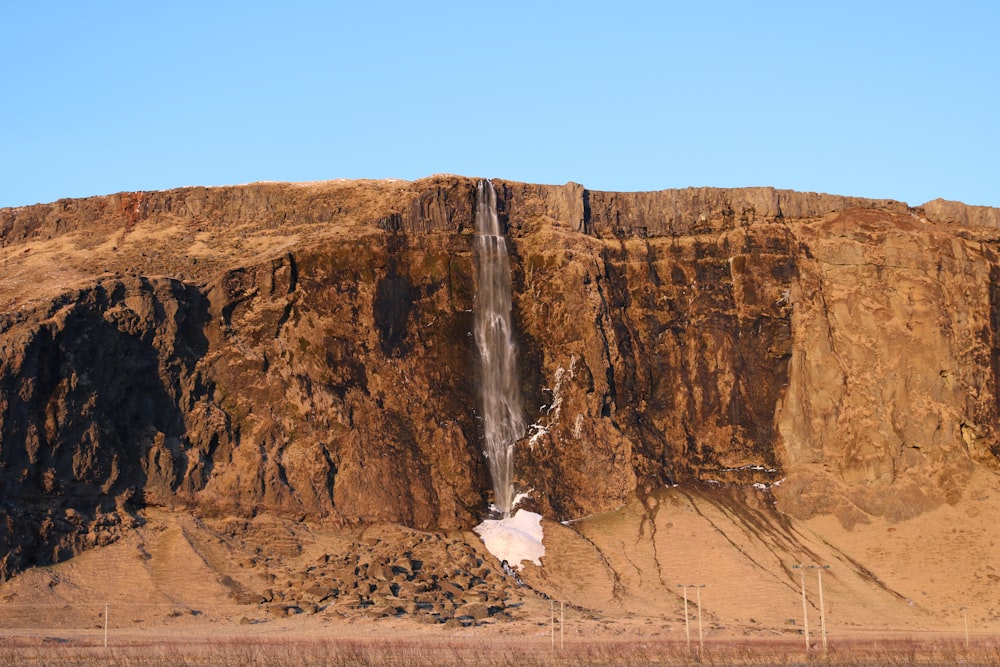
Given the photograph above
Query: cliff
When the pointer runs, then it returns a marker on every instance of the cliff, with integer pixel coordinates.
(305, 350)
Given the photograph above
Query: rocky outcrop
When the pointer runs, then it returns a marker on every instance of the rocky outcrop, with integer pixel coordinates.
(306, 350)
(844, 362)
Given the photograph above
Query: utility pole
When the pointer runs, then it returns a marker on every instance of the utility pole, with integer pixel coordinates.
(805, 608)
(105, 625)
(965, 618)
(552, 623)
(701, 636)
(687, 626)
(822, 613)
(562, 643)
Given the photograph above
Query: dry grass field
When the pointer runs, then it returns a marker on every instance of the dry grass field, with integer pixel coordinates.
(893, 594)
(489, 652)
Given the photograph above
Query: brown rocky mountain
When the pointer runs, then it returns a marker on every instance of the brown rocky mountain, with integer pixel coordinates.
(304, 351)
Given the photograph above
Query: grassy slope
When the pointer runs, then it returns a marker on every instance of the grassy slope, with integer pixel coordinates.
(618, 573)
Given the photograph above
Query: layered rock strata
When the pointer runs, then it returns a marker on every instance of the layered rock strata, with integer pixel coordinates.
(306, 350)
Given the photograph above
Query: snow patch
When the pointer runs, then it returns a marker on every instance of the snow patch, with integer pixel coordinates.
(537, 431)
(519, 497)
(515, 539)
(757, 468)
(560, 377)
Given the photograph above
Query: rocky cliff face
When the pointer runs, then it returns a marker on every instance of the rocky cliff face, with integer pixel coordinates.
(307, 350)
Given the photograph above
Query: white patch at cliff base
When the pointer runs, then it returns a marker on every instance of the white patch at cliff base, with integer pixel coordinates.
(514, 539)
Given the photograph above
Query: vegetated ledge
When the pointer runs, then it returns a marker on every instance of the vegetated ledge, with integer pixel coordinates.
(446, 203)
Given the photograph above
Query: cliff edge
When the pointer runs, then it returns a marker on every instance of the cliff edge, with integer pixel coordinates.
(305, 350)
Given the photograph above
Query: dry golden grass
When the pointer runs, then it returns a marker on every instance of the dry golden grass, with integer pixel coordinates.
(616, 573)
(489, 653)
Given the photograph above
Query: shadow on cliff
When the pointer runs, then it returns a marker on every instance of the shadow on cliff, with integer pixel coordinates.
(92, 417)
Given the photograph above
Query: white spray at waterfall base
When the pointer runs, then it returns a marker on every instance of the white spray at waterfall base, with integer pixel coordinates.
(514, 539)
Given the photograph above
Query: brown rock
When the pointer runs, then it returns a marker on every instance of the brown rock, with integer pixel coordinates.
(474, 610)
(319, 593)
(450, 589)
(475, 596)
(315, 361)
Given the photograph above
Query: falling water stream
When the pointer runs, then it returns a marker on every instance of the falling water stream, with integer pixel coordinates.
(500, 395)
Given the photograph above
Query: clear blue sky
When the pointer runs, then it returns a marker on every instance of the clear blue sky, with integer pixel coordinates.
(874, 99)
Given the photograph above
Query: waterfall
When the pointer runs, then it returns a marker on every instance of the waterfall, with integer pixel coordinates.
(499, 393)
